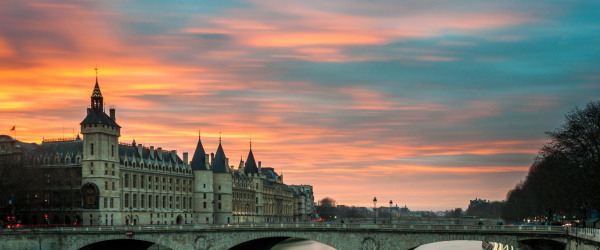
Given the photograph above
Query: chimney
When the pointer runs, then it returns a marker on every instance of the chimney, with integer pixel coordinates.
(185, 158)
(159, 149)
(258, 164)
(227, 162)
(112, 114)
(139, 148)
(206, 163)
(173, 154)
(212, 157)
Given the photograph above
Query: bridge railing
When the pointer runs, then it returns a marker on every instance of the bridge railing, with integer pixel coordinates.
(417, 227)
(589, 232)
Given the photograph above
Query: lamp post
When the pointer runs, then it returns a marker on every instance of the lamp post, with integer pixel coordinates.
(390, 211)
(375, 210)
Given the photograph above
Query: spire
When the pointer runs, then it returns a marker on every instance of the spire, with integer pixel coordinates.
(199, 158)
(250, 166)
(218, 164)
(97, 100)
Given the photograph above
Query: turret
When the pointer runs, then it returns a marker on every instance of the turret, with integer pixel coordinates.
(100, 161)
(203, 186)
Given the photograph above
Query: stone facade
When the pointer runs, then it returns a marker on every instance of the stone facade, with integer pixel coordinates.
(99, 180)
(367, 237)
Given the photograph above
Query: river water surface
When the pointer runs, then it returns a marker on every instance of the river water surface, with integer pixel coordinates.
(301, 244)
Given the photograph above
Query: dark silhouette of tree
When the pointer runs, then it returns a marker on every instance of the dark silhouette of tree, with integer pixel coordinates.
(327, 208)
(563, 180)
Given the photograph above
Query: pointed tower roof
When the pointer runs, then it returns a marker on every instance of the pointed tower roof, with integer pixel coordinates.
(96, 92)
(199, 159)
(95, 114)
(218, 164)
(250, 167)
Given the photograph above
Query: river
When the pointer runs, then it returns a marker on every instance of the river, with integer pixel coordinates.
(301, 244)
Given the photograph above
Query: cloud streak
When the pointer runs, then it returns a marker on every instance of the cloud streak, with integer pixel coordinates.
(429, 104)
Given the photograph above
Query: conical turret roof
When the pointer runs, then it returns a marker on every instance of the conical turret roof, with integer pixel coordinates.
(250, 167)
(199, 159)
(218, 164)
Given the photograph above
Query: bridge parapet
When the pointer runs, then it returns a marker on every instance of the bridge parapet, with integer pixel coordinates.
(386, 227)
(224, 236)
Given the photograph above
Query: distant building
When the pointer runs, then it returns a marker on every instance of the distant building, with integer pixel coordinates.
(97, 180)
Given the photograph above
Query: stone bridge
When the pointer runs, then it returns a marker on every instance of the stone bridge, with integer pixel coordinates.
(339, 236)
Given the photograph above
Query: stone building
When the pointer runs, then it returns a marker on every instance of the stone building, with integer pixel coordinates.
(97, 180)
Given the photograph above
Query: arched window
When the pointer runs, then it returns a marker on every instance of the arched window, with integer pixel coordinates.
(92, 148)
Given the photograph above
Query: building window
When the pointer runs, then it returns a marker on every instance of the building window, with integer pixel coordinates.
(150, 202)
(142, 203)
(156, 201)
(219, 187)
(126, 200)
(112, 150)
(126, 181)
(134, 181)
(177, 202)
(106, 185)
(170, 202)
(164, 202)
(190, 203)
(92, 148)
(205, 196)
(219, 197)
(113, 170)
(219, 205)
(204, 185)
(134, 201)
(204, 204)
(113, 186)
(105, 168)
(112, 203)
(91, 168)
(105, 202)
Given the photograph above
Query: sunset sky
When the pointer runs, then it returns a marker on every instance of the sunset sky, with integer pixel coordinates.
(426, 103)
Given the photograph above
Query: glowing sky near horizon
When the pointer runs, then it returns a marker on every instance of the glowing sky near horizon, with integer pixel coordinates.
(426, 103)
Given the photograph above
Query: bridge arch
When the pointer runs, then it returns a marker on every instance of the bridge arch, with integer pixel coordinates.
(430, 238)
(240, 240)
(113, 241)
(120, 244)
(541, 244)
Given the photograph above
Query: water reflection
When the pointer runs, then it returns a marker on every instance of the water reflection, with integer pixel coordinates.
(452, 245)
(301, 244)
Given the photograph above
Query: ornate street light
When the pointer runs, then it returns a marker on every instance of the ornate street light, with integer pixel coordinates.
(390, 211)
(375, 210)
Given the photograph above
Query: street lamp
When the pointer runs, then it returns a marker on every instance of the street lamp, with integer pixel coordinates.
(390, 211)
(375, 210)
